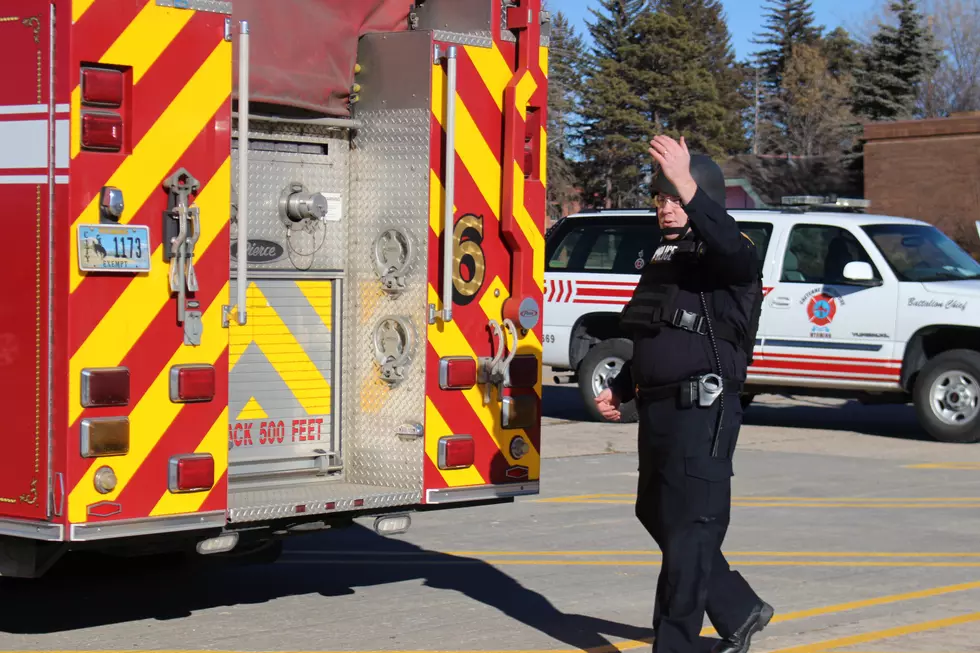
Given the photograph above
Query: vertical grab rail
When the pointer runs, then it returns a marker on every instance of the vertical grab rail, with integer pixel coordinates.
(243, 91)
(448, 214)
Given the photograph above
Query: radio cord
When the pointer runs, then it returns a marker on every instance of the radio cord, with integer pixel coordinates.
(721, 397)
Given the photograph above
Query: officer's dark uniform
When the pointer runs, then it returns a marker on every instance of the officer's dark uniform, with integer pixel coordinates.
(684, 492)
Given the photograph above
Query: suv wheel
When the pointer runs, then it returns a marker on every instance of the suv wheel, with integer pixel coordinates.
(597, 369)
(947, 396)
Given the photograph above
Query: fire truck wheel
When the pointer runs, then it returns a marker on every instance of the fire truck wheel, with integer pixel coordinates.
(947, 396)
(597, 369)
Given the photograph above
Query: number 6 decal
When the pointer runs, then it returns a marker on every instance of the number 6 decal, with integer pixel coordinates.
(468, 254)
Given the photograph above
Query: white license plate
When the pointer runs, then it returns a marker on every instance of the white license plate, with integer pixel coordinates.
(113, 248)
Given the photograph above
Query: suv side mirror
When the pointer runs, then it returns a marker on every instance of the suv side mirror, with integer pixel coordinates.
(861, 273)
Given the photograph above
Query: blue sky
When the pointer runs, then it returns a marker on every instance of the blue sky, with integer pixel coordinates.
(850, 14)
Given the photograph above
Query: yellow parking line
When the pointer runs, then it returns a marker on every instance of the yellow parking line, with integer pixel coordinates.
(878, 635)
(963, 466)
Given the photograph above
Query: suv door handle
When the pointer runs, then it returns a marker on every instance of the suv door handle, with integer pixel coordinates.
(780, 302)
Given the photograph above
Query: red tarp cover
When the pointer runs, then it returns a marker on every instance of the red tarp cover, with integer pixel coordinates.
(302, 52)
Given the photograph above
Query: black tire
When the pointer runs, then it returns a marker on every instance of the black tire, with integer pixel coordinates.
(953, 416)
(597, 363)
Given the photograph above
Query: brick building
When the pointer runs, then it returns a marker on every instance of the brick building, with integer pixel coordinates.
(928, 170)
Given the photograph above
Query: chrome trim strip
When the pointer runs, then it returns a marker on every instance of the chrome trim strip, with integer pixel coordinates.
(457, 494)
(213, 6)
(106, 530)
(32, 529)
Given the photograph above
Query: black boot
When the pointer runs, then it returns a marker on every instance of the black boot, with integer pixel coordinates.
(739, 641)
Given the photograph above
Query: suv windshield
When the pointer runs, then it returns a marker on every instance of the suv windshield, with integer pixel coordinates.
(922, 253)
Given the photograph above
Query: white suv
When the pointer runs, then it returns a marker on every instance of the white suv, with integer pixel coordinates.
(877, 308)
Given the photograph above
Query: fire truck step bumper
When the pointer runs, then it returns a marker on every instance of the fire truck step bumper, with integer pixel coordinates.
(258, 503)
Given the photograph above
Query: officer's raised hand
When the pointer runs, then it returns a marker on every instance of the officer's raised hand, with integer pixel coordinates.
(608, 404)
(675, 161)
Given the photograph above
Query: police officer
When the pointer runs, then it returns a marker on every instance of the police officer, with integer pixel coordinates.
(689, 318)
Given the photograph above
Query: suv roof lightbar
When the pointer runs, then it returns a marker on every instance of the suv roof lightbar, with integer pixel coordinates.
(830, 201)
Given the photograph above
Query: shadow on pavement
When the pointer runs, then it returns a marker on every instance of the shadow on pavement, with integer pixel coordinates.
(888, 421)
(85, 591)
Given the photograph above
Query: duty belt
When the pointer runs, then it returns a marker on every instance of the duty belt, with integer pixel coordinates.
(686, 389)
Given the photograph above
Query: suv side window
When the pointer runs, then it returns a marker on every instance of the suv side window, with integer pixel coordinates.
(759, 233)
(818, 254)
(605, 249)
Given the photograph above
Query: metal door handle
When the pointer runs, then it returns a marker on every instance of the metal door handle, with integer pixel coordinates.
(780, 302)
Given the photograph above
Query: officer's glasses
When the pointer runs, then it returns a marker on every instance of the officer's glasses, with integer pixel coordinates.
(661, 200)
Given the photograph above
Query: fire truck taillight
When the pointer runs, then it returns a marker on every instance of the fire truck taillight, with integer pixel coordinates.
(102, 132)
(524, 371)
(191, 383)
(105, 387)
(102, 87)
(457, 373)
(456, 452)
(104, 436)
(192, 472)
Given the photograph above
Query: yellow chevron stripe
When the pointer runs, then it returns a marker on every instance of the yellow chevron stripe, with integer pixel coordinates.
(448, 340)
(320, 296)
(214, 443)
(150, 418)
(435, 428)
(543, 59)
(146, 37)
(142, 173)
(528, 227)
(525, 90)
(146, 295)
(493, 69)
(471, 147)
(285, 354)
(76, 121)
(79, 7)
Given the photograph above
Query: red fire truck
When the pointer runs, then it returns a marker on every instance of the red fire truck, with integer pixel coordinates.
(286, 267)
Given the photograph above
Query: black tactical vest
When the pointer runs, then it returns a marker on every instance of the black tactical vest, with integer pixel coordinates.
(652, 305)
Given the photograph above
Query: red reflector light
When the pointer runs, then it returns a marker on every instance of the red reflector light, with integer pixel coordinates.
(191, 383)
(456, 452)
(192, 472)
(524, 371)
(102, 131)
(105, 387)
(102, 86)
(457, 373)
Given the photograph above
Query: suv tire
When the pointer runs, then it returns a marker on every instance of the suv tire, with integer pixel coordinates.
(600, 364)
(947, 396)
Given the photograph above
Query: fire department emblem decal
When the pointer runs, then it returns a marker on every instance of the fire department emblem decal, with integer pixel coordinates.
(821, 309)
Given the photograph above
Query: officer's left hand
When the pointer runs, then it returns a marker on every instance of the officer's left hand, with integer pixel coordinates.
(675, 160)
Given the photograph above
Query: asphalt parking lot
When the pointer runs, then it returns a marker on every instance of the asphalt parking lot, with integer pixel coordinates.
(862, 534)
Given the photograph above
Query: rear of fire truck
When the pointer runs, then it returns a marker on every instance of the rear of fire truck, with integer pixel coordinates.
(284, 270)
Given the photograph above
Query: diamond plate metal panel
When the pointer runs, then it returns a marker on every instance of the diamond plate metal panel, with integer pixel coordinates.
(277, 160)
(213, 6)
(258, 503)
(389, 190)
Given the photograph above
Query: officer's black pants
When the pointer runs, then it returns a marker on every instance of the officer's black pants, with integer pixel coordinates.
(684, 501)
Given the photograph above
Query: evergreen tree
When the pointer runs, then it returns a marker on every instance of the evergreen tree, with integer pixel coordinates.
(841, 53)
(670, 69)
(613, 124)
(613, 25)
(709, 26)
(566, 53)
(788, 22)
(897, 62)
